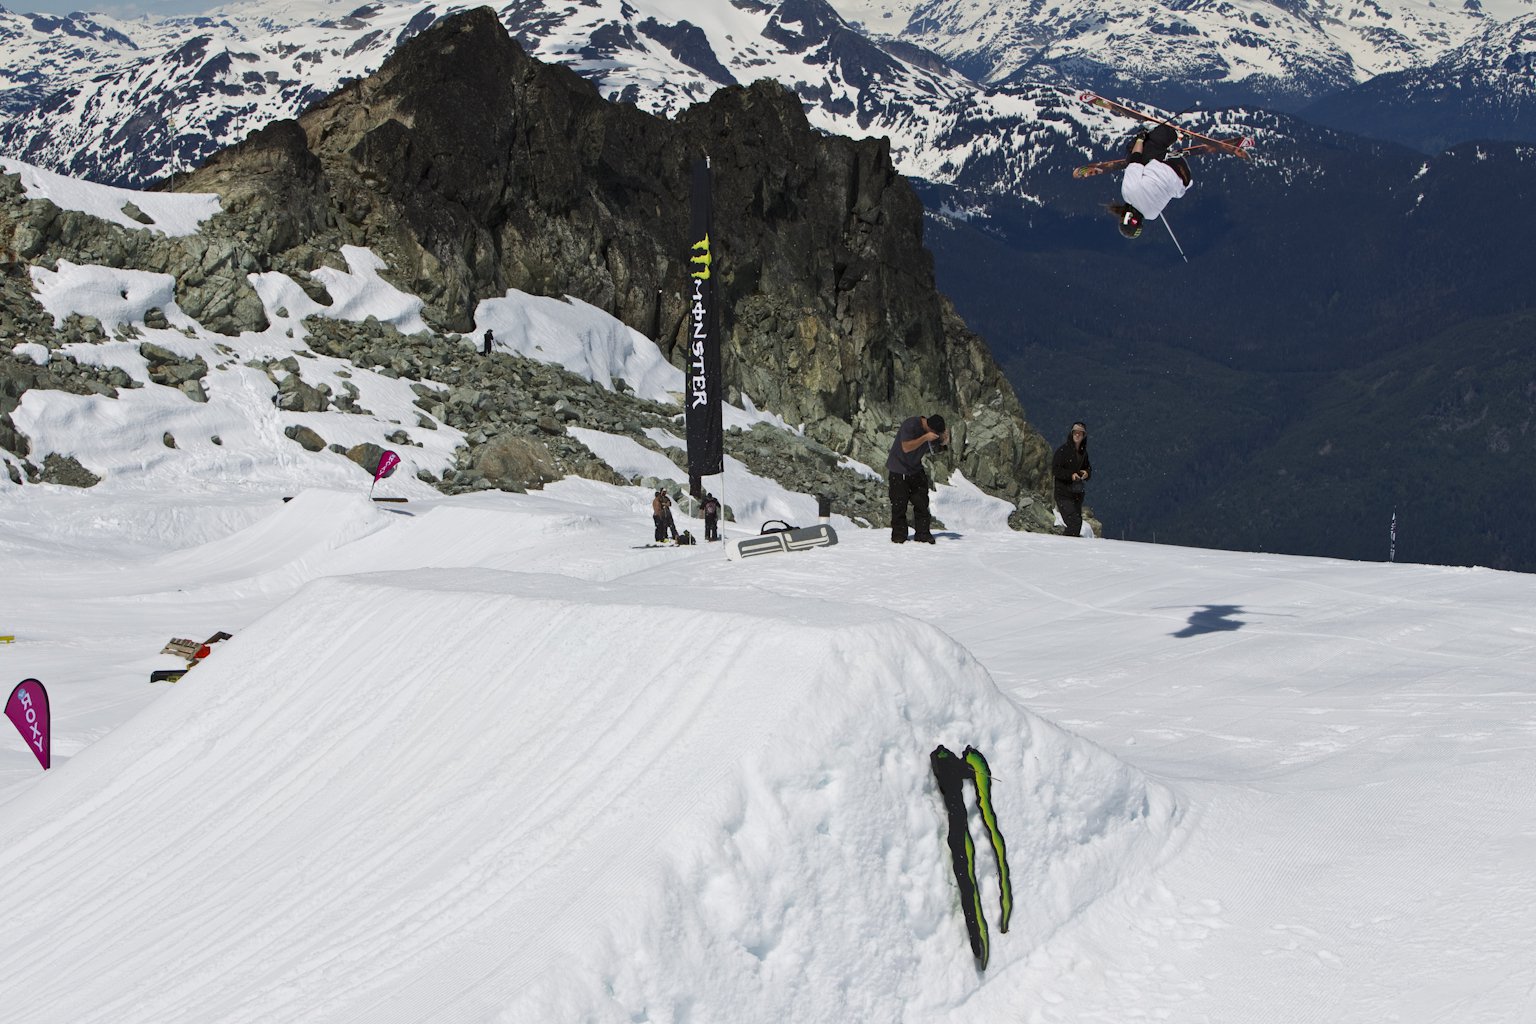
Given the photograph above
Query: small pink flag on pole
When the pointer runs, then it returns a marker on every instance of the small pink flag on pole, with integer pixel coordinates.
(28, 710)
(387, 463)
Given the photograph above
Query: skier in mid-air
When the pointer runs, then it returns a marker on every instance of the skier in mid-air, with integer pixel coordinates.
(1152, 179)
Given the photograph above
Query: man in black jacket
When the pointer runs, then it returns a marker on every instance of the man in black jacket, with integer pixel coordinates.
(1070, 469)
(917, 436)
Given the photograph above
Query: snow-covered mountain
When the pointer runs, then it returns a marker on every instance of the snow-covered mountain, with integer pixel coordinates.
(128, 102)
(1483, 89)
(1309, 202)
(1275, 53)
(44, 53)
(194, 86)
(175, 91)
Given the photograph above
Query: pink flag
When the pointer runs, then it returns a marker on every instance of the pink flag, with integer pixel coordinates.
(28, 709)
(387, 463)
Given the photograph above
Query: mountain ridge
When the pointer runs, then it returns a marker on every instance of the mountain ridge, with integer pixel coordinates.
(1483, 89)
(180, 88)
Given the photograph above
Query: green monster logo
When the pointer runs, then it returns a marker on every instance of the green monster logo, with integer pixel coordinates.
(704, 259)
(952, 773)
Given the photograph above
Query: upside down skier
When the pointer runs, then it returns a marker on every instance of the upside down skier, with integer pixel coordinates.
(1152, 179)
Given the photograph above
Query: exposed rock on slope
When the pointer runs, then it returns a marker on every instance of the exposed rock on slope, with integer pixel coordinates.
(473, 168)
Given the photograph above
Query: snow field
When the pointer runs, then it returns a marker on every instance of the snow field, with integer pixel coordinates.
(498, 806)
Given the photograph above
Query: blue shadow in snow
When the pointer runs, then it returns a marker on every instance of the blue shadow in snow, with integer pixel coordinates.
(1212, 618)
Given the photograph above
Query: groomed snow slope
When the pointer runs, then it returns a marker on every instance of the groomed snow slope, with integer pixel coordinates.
(467, 766)
(446, 795)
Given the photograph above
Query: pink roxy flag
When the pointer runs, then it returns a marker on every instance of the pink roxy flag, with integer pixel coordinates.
(28, 709)
(387, 463)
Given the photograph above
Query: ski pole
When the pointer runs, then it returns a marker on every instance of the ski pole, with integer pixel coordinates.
(1175, 117)
(1175, 238)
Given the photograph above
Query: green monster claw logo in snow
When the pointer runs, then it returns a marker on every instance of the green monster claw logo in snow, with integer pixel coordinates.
(981, 775)
(951, 773)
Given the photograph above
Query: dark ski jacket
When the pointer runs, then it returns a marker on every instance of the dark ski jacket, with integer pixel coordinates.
(1069, 459)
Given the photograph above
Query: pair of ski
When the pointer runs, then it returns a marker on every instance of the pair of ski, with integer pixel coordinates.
(952, 773)
(1237, 146)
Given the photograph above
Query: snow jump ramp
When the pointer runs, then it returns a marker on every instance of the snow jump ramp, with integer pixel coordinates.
(437, 795)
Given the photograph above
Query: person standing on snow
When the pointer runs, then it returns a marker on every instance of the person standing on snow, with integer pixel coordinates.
(1152, 180)
(917, 436)
(711, 510)
(1070, 470)
(661, 512)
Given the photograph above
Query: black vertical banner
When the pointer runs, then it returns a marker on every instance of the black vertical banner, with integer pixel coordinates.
(702, 376)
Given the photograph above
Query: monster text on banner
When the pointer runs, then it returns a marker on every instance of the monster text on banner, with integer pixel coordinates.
(706, 429)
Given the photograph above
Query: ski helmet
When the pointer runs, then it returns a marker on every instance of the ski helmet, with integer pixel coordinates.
(1130, 220)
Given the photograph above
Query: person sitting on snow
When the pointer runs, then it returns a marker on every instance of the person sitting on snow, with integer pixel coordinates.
(1152, 180)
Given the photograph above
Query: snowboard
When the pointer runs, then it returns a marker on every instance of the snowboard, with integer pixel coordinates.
(791, 538)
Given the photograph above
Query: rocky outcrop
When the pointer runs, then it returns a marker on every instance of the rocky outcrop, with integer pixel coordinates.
(210, 268)
(472, 168)
(515, 411)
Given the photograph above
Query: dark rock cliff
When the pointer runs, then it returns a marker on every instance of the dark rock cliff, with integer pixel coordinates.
(473, 168)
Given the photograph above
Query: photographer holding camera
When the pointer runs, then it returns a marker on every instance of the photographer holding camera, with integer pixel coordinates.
(917, 436)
